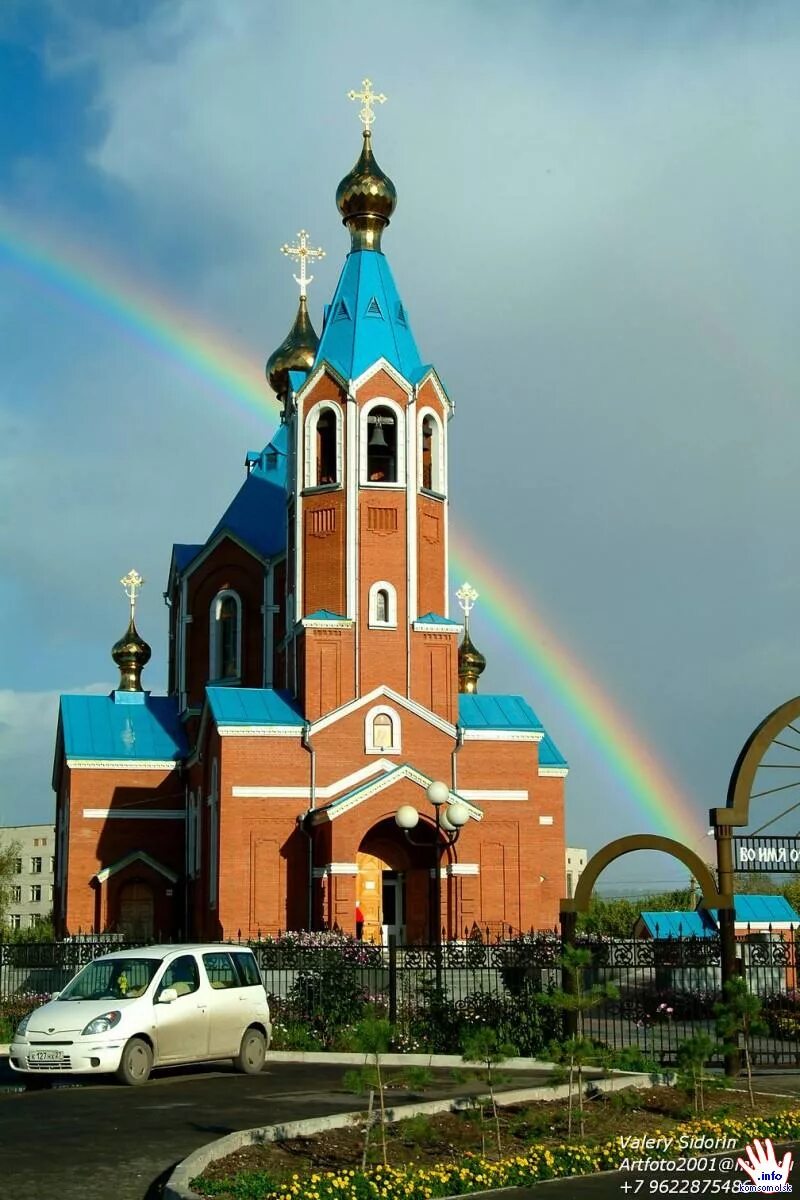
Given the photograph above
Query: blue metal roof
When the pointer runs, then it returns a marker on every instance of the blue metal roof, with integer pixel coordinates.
(496, 712)
(549, 753)
(433, 618)
(678, 924)
(366, 321)
(257, 513)
(252, 706)
(324, 614)
(761, 910)
(96, 727)
(183, 555)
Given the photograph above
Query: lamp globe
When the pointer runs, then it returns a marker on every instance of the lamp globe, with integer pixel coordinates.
(406, 816)
(457, 814)
(438, 792)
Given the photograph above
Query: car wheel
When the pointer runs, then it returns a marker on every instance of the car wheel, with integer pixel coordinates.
(136, 1063)
(252, 1052)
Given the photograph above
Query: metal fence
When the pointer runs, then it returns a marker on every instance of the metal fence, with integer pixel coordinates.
(665, 989)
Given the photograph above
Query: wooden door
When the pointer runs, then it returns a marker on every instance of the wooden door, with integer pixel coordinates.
(369, 889)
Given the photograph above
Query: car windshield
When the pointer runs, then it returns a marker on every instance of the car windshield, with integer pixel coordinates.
(112, 979)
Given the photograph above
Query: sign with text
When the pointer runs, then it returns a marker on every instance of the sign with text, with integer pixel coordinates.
(766, 854)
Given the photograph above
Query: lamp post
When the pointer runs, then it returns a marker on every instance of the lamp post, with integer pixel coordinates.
(449, 820)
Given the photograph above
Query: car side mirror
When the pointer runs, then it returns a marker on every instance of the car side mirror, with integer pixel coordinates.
(54, 995)
(168, 996)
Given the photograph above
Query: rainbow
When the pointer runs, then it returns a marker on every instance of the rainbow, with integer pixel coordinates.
(74, 273)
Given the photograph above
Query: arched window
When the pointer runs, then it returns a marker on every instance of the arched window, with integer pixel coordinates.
(382, 446)
(382, 605)
(226, 636)
(326, 447)
(382, 731)
(430, 454)
(323, 446)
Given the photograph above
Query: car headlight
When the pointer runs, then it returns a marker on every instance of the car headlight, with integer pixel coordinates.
(102, 1024)
(23, 1025)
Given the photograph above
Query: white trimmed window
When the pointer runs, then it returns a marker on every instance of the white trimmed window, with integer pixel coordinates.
(382, 731)
(382, 444)
(382, 606)
(225, 636)
(430, 450)
(323, 446)
(213, 836)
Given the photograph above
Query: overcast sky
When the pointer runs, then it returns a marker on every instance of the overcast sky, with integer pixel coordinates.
(597, 243)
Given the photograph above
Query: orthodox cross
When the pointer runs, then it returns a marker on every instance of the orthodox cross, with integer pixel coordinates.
(302, 253)
(132, 584)
(466, 596)
(368, 98)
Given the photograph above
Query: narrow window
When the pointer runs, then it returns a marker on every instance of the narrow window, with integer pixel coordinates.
(382, 446)
(382, 732)
(382, 606)
(225, 636)
(427, 453)
(326, 447)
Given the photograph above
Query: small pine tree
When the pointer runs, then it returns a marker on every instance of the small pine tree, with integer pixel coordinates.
(373, 1037)
(693, 1054)
(483, 1045)
(739, 1020)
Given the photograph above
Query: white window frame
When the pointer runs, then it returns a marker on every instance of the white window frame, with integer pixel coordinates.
(310, 454)
(213, 637)
(363, 440)
(377, 711)
(391, 612)
(213, 836)
(438, 482)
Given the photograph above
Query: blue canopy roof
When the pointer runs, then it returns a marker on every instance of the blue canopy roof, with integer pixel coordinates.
(257, 513)
(433, 618)
(678, 924)
(253, 706)
(183, 555)
(761, 910)
(97, 727)
(366, 321)
(496, 712)
(324, 614)
(549, 753)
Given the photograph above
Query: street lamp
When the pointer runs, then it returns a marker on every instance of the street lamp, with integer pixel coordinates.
(450, 818)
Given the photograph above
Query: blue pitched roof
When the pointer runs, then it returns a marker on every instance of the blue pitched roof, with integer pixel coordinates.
(549, 753)
(183, 554)
(433, 618)
(252, 706)
(324, 614)
(257, 513)
(762, 910)
(96, 727)
(366, 321)
(678, 924)
(496, 712)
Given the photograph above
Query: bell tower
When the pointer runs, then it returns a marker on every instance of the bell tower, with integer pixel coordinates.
(367, 542)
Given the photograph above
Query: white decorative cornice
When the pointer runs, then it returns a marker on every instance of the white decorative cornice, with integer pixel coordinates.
(376, 694)
(129, 859)
(327, 792)
(503, 735)
(463, 869)
(434, 627)
(312, 623)
(134, 814)
(260, 730)
(324, 368)
(382, 364)
(491, 794)
(388, 780)
(122, 764)
(336, 868)
(553, 772)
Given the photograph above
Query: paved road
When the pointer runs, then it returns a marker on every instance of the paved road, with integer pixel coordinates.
(95, 1142)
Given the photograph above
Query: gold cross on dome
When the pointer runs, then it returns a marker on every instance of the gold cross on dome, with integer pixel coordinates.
(302, 253)
(368, 98)
(466, 596)
(132, 583)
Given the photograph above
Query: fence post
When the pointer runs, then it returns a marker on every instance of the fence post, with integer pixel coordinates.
(393, 978)
(569, 922)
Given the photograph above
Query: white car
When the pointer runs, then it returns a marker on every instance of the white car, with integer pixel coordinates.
(133, 1010)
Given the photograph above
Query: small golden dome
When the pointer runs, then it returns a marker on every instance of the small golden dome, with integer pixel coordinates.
(366, 198)
(471, 665)
(131, 654)
(296, 353)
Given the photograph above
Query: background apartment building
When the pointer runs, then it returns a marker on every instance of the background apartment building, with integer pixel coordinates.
(31, 891)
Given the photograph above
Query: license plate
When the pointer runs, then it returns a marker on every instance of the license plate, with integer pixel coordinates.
(46, 1055)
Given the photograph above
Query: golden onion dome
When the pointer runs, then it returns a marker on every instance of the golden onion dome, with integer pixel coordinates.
(471, 665)
(366, 198)
(295, 353)
(131, 654)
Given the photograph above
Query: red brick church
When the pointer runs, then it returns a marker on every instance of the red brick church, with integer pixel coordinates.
(318, 682)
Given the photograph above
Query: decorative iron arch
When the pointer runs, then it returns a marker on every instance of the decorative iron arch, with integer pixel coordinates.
(643, 841)
(737, 809)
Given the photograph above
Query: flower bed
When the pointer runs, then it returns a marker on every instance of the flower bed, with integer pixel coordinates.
(472, 1173)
